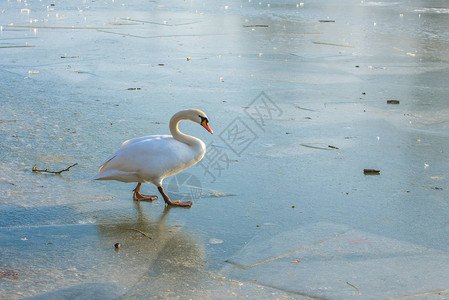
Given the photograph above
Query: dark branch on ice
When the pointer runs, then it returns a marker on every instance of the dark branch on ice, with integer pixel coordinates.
(53, 172)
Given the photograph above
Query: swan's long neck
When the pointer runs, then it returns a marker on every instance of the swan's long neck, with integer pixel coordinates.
(179, 136)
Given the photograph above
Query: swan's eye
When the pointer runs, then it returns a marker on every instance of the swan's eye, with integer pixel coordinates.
(203, 119)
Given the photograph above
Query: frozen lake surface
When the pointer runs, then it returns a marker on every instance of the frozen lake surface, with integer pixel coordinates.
(299, 97)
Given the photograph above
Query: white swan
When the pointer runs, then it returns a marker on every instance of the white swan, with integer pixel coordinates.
(155, 157)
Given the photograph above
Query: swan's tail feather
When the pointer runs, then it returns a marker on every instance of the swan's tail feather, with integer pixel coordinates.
(116, 175)
(101, 175)
(96, 177)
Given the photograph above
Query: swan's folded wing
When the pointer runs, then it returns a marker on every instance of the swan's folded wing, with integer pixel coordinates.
(143, 138)
(124, 145)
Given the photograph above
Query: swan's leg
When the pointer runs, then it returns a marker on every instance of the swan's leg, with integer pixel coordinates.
(139, 197)
(173, 203)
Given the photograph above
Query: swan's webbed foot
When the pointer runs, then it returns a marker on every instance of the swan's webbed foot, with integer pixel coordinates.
(175, 202)
(179, 203)
(140, 197)
(137, 196)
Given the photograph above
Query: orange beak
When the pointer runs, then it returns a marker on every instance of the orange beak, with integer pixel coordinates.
(205, 125)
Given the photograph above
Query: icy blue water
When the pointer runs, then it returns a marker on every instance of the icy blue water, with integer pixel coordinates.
(78, 78)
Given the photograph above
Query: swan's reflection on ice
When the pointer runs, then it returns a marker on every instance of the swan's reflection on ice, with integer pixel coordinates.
(170, 263)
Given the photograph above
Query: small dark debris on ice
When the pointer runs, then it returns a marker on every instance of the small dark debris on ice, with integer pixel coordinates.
(371, 172)
(393, 102)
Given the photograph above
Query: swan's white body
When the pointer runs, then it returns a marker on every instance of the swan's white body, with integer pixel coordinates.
(150, 159)
(155, 157)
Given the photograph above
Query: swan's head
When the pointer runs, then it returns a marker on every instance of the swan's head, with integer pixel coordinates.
(199, 117)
